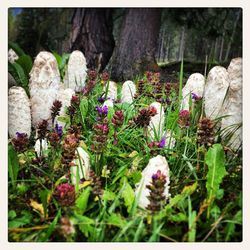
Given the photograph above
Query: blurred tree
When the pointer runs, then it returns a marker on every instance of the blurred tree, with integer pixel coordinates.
(136, 46)
(92, 34)
(42, 29)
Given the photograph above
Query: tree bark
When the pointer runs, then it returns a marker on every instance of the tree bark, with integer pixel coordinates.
(135, 51)
(92, 34)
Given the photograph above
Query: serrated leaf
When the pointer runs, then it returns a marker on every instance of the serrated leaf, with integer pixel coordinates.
(136, 176)
(128, 195)
(82, 200)
(187, 190)
(108, 195)
(86, 225)
(179, 217)
(215, 160)
(117, 220)
(21, 221)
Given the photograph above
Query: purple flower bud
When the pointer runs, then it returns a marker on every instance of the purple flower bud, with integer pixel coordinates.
(157, 175)
(20, 135)
(105, 110)
(102, 110)
(59, 130)
(194, 96)
(162, 142)
(101, 99)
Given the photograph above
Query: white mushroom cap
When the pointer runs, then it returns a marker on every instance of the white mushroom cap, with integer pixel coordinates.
(156, 163)
(128, 92)
(19, 119)
(76, 72)
(84, 161)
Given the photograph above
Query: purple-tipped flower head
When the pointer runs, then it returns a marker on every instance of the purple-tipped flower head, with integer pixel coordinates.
(184, 118)
(101, 99)
(65, 194)
(102, 111)
(158, 175)
(162, 142)
(156, 196)
(195, 97)
(92, 74)
(59, 130)
(21, 142)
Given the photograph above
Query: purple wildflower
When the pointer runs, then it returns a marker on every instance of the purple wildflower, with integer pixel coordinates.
(20, 135)
(195, 97)
(162, 142)
(102, 111)
(59, 130)
(157, 175)
(101, 99)
(21, 142)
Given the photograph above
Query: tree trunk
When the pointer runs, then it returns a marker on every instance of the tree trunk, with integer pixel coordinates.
(182, 44)
(232, 36)
(135, 51)
(92, 34)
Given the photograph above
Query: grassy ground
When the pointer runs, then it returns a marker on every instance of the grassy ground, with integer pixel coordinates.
(205, 187)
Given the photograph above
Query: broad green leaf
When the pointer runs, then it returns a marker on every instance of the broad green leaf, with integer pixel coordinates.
(230, 228)
(16, 48)
(128, 195)
(82, 200)
(86, 225)
(65, 57)
(84, 107)
(117, 220)
(187, 190)
(26, 62)
(19, 75)
(13, 165)
(21, 221)
(58, 58)
(108, 195)
(179, 217)
(111, 112)
(191, 222)
(215, 160)
(136, 176)
(44, 194)
(238, 217)
(192, 227)
(11, 214)
(52, 226)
